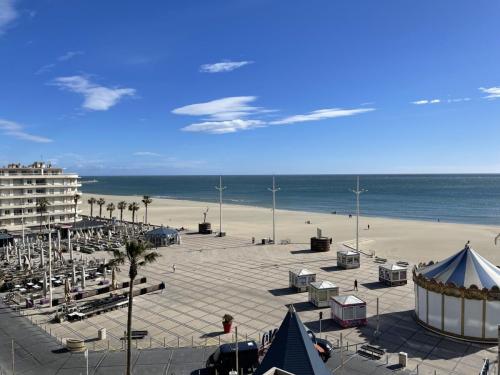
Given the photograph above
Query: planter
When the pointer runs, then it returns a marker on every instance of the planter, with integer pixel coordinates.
(227, 326)
(205, 228)
(320, 244)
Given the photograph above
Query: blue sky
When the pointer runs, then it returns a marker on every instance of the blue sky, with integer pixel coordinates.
(251, 87)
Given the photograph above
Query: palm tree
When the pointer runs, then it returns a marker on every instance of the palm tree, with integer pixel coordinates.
(146, 200)
(110, 207)
(133, 207)
(122, 205)
(92, 201)
(76, 198)
(42, 205)
(101, 203)
(137, 255)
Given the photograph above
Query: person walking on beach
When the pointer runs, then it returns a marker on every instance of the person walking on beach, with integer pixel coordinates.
(355, 284)
(368, 226)
(173, 268)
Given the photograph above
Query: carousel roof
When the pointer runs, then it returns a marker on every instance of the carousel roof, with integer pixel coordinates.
(464, 269)
(323, 285)
(162, 232)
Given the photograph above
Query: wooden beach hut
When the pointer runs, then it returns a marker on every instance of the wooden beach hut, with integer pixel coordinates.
(348, 311)
(300, 279)
(392, 274)
(348, 259)
(320, 293)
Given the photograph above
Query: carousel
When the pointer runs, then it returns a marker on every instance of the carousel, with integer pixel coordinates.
(459, 296)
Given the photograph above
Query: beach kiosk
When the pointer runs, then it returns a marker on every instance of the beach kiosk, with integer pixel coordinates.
(392, 274)
(300, 279)
(348, 311)
(348, 259)
(162, 236)
(459, 297)
(320, 293)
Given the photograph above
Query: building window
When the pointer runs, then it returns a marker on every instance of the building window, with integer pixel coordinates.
(7, 212)
(61, 218)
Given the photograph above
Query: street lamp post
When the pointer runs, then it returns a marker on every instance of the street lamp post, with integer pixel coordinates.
(220, 188)
(274, 189)
(358, 192)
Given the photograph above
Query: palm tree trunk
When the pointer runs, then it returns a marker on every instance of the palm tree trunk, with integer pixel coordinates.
(129, 326)
(121, 215)
(91, 210)
(110, 213)
(146, 214)
(100, 211)
(74, 220)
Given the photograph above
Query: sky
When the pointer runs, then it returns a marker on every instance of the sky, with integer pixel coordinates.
(123, 87)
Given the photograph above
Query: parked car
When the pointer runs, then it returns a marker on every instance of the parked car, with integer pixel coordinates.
(324, 347)
(223, 359)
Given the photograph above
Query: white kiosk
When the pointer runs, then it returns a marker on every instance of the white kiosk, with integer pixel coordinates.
(348, 259)
(392, 274)
(320, 293)
(300, 279)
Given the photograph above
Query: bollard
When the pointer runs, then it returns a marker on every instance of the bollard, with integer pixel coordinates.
(164, 343)
(136, 343)
(108, 345)
(192, 341)
(94, 345)
(178, 341)
(347, 345)
(417, 368)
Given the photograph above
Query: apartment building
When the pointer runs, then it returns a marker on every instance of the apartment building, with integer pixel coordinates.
(21, 187)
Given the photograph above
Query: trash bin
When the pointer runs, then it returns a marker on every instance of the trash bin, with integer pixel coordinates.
(101, 334)
(263, 241)
(403, 359)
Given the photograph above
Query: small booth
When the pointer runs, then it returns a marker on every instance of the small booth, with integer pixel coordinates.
(162, 236)
(300, 279)
(348, 311)
(348, 259)
(392, 274)
(320, 293)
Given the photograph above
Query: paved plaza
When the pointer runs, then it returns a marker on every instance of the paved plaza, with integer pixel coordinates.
(214, 276)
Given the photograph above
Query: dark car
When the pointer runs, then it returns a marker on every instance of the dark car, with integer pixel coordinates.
(324, 347)
(224, 358)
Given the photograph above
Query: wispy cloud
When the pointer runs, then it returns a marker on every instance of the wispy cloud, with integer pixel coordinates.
(493, 92)
(321, 114)
(229, 108)
(16, 130)
(146, 153)
(223, 66)
(233, 114)
(8, 14)
(223, 127)
(426, 101)
(97, 98)
(458, 100)
(69, 55)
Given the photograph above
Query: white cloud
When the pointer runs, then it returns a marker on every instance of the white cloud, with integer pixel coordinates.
(13, 129)
(69, 55)
(8, 14)
(458, 100)
(224, 66)
(427, 101)
(146, 153)
(493, 92)
(97, 98)
(321, 114)
(223, 127)
(230, 108)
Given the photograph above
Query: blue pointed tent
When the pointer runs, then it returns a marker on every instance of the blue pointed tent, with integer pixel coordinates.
(464, 269)
(292, 350)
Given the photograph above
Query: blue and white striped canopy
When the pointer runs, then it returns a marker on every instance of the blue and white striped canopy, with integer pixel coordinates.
(464, 269)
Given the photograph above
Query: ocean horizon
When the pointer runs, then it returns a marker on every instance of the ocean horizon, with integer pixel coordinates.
(458, 198)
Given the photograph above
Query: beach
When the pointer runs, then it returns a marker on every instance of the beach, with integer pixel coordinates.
(409, 240)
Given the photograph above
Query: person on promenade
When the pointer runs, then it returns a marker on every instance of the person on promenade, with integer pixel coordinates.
(173, 268)
(355, 284)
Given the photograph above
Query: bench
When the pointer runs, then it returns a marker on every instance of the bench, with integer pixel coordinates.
(139, 334)
(371, 351)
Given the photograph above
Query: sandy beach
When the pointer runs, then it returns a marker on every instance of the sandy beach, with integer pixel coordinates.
(413, 241)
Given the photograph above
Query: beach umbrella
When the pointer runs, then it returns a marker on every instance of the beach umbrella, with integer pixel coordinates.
(67, 291)
(114, 282)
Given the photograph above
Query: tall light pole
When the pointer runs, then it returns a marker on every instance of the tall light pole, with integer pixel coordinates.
(358, 192)
(220, 188)
(274, 189)
(50, 264)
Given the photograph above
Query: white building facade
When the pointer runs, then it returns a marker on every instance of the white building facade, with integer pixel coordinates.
(21, 187)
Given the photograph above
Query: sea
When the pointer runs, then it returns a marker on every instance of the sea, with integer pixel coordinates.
(470, 198)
